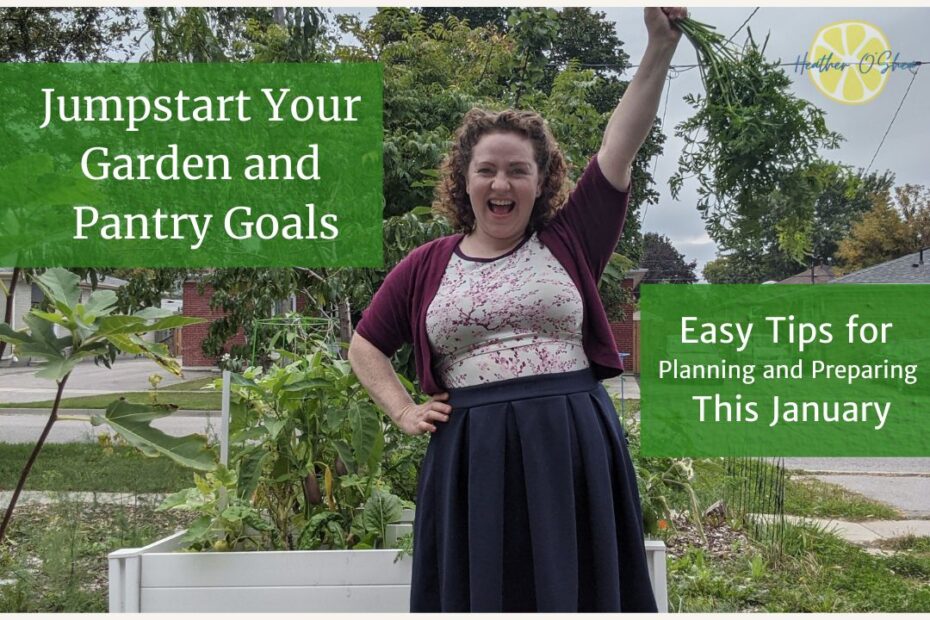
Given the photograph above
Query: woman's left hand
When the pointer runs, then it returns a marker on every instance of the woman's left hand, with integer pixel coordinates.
(660, 23)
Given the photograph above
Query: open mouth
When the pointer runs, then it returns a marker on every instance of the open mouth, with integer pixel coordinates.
(501, 207)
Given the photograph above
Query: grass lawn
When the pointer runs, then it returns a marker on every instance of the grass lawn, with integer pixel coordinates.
(804, 496)
(91, 467)
(186, 395)
(809, 497)
(818, 573)
(57, 559)
(815, 571)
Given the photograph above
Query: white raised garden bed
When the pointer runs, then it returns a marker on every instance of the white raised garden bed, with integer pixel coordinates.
(158, 578)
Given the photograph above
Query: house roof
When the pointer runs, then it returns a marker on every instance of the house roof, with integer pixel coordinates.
(636, 275)
(905, 270)
(822, 275)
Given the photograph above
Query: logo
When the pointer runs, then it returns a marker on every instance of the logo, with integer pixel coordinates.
(850, 61)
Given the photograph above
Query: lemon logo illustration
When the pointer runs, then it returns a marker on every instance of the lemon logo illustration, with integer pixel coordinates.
(849, 54)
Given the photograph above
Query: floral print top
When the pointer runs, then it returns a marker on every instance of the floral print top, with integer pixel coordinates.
(512, 316)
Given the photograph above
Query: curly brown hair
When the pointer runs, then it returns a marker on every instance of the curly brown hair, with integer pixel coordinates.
(452, 201)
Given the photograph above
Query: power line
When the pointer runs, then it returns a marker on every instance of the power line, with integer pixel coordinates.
(893, 118)
(683, 68)
(756, 10)
(655, 161)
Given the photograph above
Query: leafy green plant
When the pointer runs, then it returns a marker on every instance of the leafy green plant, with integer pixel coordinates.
(659, 480)
(749, 144)
(92, 330)
(305, 452)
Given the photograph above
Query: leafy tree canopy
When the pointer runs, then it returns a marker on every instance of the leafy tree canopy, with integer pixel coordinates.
(664, 262)
(66, 35)
(752, 249)
(889, 230)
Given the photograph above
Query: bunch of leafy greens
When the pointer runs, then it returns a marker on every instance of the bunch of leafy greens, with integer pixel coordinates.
(750, 144)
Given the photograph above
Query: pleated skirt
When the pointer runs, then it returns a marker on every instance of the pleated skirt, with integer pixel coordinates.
(527, 502)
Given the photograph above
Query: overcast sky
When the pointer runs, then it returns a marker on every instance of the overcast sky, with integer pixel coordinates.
(792, 30)
(906, 150)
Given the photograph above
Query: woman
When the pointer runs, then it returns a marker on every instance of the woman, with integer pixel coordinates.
(527, 498)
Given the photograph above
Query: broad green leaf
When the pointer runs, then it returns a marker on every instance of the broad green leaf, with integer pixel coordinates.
(345, 453)
(100, 303)
(52, 317)
(374, 459)
(274, 426)
(198, 529)
(380, 510)
(56, 369)
(188, 498)
(133, 423)
(334, 418)
(407, 383)
(365, 425)
(250, 471)
(62, 287)
(238, 417)
(238, 379)
(235, 513)
(119, 324)
(44, 337)
(127, 343)
(16, 337)
(309, 384)
(153, 313)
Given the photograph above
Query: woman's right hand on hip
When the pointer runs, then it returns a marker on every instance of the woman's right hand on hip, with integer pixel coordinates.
(418, 419)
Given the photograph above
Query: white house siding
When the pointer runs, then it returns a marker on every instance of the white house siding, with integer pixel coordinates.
(22, 302)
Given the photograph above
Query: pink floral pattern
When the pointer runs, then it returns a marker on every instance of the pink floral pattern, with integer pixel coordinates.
(515, 316)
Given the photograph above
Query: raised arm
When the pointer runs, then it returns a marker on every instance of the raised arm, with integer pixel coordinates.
(633, 117)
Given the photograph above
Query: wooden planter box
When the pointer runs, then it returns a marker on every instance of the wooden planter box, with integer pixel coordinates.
(158, 578)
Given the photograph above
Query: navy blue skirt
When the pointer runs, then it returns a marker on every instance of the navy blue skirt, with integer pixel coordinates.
(527, 502)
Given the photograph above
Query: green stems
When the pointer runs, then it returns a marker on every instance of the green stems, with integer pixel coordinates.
(714, 55)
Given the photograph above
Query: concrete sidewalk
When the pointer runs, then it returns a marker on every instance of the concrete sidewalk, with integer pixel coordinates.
(868, 534)
(625, 386)
(902, 483)
(20, 385)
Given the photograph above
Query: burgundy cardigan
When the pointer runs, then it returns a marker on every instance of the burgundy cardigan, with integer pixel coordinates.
(582, 236)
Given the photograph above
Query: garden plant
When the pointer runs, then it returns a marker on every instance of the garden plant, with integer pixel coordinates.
(65, 331)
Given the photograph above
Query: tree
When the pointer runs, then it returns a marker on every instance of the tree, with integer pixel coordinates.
(94, 331)
(475, 16)
(195, 34)
(65, 35)
(751, 251)
(664, 262)
(889, 230)
(734, 269)
(60, 35)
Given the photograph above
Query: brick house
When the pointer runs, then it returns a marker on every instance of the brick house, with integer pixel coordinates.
(197, 304)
